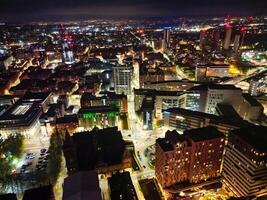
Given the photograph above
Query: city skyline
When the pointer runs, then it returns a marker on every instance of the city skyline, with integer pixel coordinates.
(133, 100)
(29, 10)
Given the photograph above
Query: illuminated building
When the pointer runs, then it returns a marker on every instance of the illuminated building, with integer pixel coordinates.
(67, 53)
(212, 94)
(190, 101)
(207, 72)
(236, 43)
(98, 116)
(150, 75)
(107, 99)
(68, 123)
(245, 163)
(171, 85)
(122, 77)
(21, 118)
(166, 38)
(162, 100)
(192, 158)
(250, 109)
(228, 34)
(202, 37)
(147, 110)
(181, 119)
(253, 87)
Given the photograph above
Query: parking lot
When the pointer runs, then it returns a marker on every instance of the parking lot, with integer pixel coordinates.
(35, 157)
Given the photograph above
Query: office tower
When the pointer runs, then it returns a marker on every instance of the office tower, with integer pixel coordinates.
(202, 38)
(243, 34)
(166, 38)
(192, 157)
(67, 52)
(122, 77)
(253, 86)
(212, 94)
(147, 110)
(181, 119)
(228, 34)
(245, 162)
(236, 43)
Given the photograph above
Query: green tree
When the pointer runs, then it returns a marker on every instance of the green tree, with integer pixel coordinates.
(55, 156)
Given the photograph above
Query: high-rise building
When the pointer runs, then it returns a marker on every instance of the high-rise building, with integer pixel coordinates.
(192, 157)
(228, 34)
(202, 37)
(212, 94)
(236, 43)
(67, 52)
(245, 162)
(166, 38)
(253, 87)
(122, 77)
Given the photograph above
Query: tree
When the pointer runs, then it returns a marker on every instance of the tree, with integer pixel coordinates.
(55, 156)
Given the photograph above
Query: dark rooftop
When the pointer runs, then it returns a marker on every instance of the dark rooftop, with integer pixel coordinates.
(35, 96)
(153, 92)
(67, 119)
(8, 197)
(221, 119)
(252, 101)
(205, 133)
(256, 136)
(121, 187)
(98, 109)
(41, 193)
(166, 145)
(82, 186)
(215, 87)
(227, 111)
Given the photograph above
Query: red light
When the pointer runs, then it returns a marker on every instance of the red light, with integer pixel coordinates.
(227, 26)
(68, 37)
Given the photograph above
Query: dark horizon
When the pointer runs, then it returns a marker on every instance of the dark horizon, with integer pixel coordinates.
(65, 10)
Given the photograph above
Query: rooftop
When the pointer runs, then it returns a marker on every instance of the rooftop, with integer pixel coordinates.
(20, 114)
(215, 87)
(82, 185)
(197, 114)
(205, 133)
(253, 135)
(98, 109)
(252, 101)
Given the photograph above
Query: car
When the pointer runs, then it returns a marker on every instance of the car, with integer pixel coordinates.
(144, 166)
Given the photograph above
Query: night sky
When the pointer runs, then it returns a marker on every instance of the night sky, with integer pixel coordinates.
(34, 10)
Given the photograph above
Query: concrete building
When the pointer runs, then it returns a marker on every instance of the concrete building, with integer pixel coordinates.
(245, 162)
(122, 77)
(181, 119)
(207, 72)
(212, 94)
(228, 34)
(190, 158)
(21, 118)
